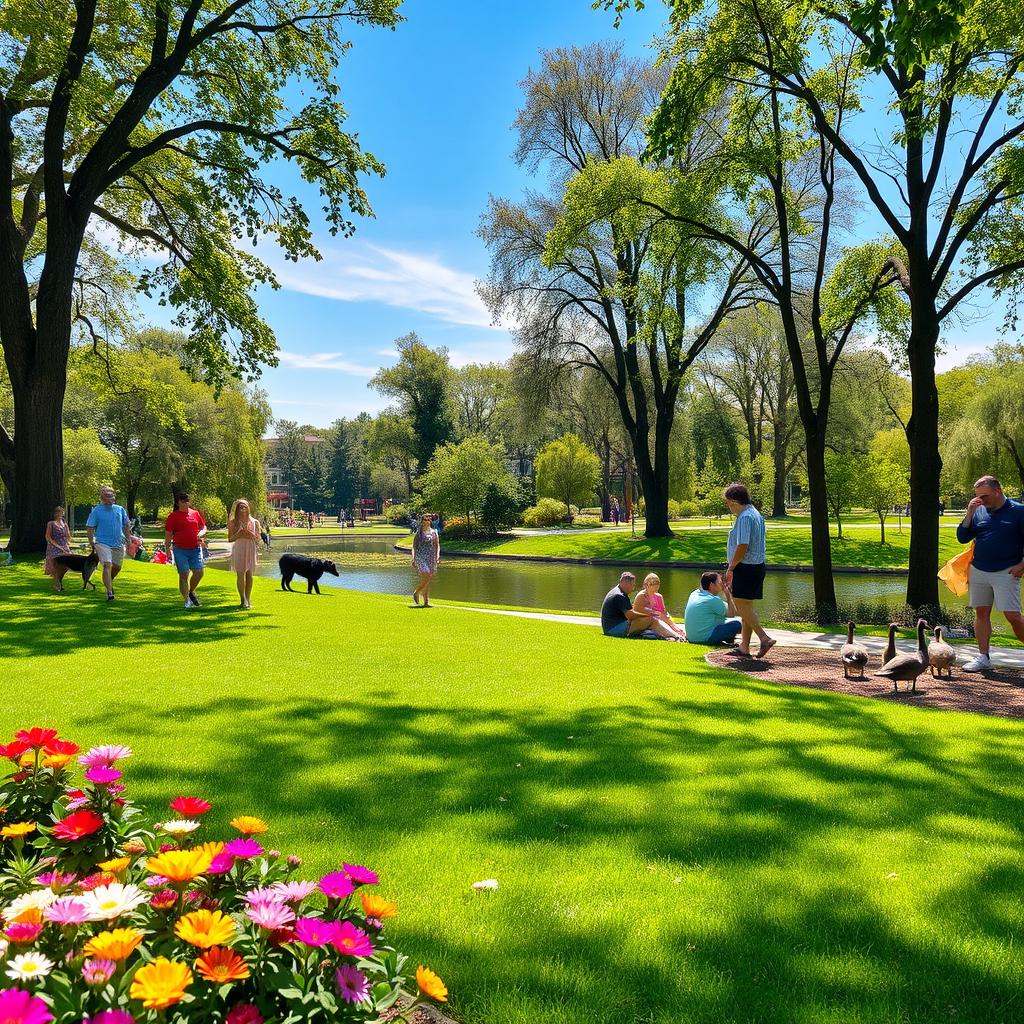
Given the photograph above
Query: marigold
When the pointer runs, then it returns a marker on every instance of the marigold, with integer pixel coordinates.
(431, 985)
(377, 906)
(205, 928)
(220, 965)
(161, 983)
(118, 944)
(181, 865)
(18, 830)
(248, 825)
(117, 865)
(56, 760)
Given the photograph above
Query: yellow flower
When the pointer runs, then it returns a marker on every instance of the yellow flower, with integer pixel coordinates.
(430, 984)
(117, 865)
(18, 830)
(184, 865)
(377, 906)
(248, 825)
(56, 760)
(205, 928)
(118, 944)
(161, 983)
(220, 965)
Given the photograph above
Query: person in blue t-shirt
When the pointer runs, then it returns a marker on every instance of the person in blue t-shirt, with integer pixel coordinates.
(745, 568)
(108, 528)
(996, 525)
(708, 610)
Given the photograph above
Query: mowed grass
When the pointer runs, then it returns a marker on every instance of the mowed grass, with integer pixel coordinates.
(673, 843)
(860, 546)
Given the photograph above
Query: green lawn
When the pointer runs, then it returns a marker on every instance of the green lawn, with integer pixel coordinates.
(860, 546)
(673, 843)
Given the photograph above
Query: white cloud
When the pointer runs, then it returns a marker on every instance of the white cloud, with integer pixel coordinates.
(324, 361)
(407, 280)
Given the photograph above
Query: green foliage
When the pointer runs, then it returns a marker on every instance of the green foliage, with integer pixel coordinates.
(883, 486)
(458, 476)
(843, 474)
(759, 476)
(397, 514)
(88, 466)
(500, 507)
(214, 510)
(568, 470)
(547, 512)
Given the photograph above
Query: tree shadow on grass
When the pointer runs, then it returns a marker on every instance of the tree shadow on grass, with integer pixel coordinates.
(765, 811)
(37, 622)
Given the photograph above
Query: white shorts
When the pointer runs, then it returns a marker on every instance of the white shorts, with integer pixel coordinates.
(109, 555)
(998, 589)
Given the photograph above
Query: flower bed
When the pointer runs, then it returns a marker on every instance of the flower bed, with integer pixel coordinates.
(108, 918)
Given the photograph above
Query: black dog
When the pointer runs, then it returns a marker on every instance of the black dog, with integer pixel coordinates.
(84, 564)
(310, 569)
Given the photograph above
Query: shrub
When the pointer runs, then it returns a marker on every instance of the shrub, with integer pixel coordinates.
(459, 528)
(688, 509)
(547, 512)
(125, 915)
(587, 522)
(397, 514)
(213, 509)
(500, 507)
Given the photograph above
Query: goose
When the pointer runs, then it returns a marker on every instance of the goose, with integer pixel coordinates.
(941, 656)
(890, 647)
(908, 666)
(853, 656)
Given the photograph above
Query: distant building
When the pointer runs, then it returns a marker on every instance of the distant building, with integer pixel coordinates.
(279, 491)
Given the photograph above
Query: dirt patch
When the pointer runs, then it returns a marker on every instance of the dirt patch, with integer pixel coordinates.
(999, 692)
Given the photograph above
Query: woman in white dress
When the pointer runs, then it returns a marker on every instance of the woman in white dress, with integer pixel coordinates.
(244, 534)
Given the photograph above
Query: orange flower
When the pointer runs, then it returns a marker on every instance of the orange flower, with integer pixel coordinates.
(30, 915)
(118, 944)
(378, 907)
(184, 865)
(205, 928)
(117, 865)
(161, 983)
(18, 830)
(220, 965)
(430, 984)
(248, 825)
(56, 760)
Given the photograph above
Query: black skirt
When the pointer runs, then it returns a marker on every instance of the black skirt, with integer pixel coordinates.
(748, 581)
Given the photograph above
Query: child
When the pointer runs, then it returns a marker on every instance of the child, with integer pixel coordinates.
(650, 602)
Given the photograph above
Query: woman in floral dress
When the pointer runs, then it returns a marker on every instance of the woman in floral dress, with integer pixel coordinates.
(426, 556)
(58, 542)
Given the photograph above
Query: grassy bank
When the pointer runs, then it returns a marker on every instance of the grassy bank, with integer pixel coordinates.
(673, 843)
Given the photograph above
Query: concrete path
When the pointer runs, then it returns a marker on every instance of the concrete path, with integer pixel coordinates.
(1003, 657)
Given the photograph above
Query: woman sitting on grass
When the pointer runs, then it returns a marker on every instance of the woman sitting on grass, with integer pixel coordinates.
(650, 602)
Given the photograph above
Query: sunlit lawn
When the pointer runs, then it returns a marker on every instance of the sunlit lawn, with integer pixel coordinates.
(673, 843)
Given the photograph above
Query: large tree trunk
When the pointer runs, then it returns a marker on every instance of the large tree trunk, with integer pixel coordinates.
(821, 541)
(779, 490)
(654, 474)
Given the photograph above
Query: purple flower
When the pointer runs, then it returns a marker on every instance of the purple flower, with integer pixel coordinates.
(67, 910)
(336, 886)
(102, 775)
(243, 848)
(97, 973)
(314, 931)
(353, 985)
(361, 875)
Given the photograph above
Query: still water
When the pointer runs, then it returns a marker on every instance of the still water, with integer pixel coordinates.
(373, 565)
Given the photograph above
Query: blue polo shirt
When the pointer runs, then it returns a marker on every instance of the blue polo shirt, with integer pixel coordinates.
(748, 529)
(998, 536)
(109, 524)
(704, 611)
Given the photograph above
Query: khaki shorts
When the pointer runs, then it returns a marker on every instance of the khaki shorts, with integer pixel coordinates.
(998, 589)
(107, 554)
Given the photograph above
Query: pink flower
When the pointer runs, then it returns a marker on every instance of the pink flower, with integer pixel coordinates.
(102, 775)
(336, 886)
(243, 848)
(163, 900)
(361, 875)
(20, 1007)
(155, 881)
(76, 799)
(351, 941)
(244, 1013)
(265, 895)
(294, 861)
(270, 915)
(56, 879)
(96, 973)
(221, 864)
(67, 910)
(105, 755)
(314, 931)
(22, 932)
(293, 892)
(353, 985)
(110, 1017)
(116, 787)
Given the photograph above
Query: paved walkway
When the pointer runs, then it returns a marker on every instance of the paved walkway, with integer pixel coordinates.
(1004, 657)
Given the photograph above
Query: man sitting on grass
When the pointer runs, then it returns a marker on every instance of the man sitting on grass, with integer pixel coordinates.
(617, 615)
(706, 613)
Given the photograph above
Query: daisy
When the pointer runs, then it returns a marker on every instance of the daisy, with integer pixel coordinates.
(67, 910)
(353, 985)
(105, 755)
(37, 899)
(109, 901)
(26, 966)
(293, 892)
(179, 827)
(270, 915)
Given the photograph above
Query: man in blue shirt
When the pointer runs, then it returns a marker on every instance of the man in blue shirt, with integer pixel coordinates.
(108, 528)
(706, 613)
(996, 525)
(745, 569)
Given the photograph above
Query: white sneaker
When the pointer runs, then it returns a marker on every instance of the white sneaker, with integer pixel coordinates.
(188, 602)
(982, 663)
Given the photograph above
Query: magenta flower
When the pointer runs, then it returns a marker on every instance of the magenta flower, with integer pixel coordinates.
(116, 787)
(163, 899)
(361, 875)
(97, 973)
(314, 931)
(244, 1013)
(270, 915)
(353, 985)
(293, 892)
(336, 886)
(110, 1017)
(67, 910)
(102, 775)
(221, 864)
(20, 932)
(105, 755)
(20, 1007)
(351, 941)
(243, 848)
(56, 879)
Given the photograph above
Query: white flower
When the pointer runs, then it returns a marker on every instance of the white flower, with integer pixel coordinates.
(28, 965)
(180, 827)
(106, 902)
(37, 899)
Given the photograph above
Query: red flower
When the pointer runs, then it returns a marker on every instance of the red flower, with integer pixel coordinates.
(91, 882)
(190, 806)
(36, 737)
(13, 750)
(62, 747)
(244, 1013)
(77, 825)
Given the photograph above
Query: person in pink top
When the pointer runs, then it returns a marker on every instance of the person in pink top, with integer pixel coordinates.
(650, 602)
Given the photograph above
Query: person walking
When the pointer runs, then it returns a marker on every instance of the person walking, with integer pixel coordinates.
(996, 525)
(426, 557)
(244, 535)
(184, 529)
(745, 568)
(108, 529)
(58, 542)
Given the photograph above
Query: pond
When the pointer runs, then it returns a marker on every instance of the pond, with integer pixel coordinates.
(373, 565)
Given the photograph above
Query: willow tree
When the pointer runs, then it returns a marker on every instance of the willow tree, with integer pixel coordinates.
(143, 127)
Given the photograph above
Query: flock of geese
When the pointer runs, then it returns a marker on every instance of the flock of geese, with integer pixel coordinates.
(938, 656)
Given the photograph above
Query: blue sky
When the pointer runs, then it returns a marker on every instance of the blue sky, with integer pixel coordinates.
(435, 100)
